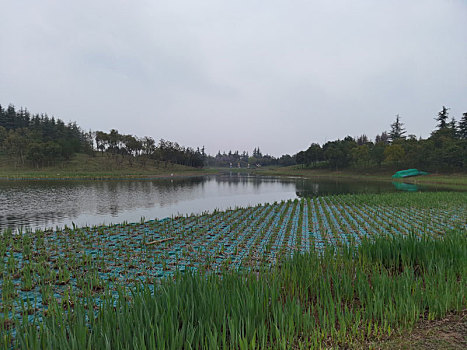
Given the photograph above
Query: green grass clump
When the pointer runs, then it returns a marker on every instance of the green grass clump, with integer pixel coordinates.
(339, 296)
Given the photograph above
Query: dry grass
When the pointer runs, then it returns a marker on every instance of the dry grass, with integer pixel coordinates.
(447, 333)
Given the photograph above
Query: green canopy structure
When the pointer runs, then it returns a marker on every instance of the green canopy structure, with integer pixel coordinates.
(408, 173)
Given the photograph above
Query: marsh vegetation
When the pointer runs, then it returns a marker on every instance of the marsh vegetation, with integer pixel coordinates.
(330, 270)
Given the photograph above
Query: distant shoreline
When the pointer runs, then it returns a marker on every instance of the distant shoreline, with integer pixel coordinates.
(91, 176)
(455, 181)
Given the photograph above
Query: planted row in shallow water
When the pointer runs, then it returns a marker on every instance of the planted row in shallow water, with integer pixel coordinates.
(346, 296)
(38, 267)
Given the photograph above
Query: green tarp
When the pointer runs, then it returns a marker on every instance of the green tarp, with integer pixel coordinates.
(409, 172)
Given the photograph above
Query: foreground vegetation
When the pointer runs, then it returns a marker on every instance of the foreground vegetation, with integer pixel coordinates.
(345, 269)
(346, 296)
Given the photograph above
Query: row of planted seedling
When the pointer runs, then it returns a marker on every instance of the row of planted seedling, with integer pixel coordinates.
(44, 265)
(346, 297)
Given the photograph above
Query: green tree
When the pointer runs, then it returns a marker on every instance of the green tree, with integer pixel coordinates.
(313, 154)
(384, 138)
(43, 153)
(377, 153)
(452, 126)
(442, 118)
(3, 135)
(463, 127)
(10, 118)
(36, 153)
(453, 155)
(16, 145)
(102, 141)
(335, 155)
(299, 158)
(339, 153)
(361, 156)
(114, 141)
(394, 154)
(149, 145)
(397, 130)
(133, 147)
(68, 147)
(362, 140)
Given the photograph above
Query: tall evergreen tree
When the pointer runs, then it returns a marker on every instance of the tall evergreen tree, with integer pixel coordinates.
(442, 118)
(397, 130)
(363, 139)
(463, 127)
(2, 117)
(452, 125)
(384, 137)
(10, 118)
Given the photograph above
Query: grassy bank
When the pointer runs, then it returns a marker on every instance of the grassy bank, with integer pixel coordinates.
(454, 181)
(345, 297)
(83, 166)
(100, 166)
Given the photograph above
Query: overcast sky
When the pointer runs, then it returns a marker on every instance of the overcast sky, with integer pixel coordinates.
(236, 74)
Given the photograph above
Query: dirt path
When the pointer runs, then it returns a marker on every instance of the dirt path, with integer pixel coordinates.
(448, 333)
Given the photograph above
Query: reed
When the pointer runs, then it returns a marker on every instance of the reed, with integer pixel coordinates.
(343, 296)
(322, 257)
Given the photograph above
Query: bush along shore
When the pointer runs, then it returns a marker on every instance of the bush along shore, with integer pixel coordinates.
(330, 271)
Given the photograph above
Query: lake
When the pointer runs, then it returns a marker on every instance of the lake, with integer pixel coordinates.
(48, 204)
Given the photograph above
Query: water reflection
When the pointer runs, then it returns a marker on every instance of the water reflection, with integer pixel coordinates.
(327, 186)
(402, 186)
(44, 203)
(56, 203)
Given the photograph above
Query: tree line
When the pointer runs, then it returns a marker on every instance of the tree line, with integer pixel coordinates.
(444, 150)
(40, 140)
(134, 149)
(236, 159)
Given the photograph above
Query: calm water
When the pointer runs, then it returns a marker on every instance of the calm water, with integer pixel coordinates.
(47, 204)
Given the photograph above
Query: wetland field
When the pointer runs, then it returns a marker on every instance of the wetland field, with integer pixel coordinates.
(308, 270)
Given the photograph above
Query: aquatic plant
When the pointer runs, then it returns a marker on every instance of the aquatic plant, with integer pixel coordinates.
(40, 268)
(339, 296)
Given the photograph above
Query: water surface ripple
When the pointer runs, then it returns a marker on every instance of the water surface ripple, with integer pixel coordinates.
(47, 204)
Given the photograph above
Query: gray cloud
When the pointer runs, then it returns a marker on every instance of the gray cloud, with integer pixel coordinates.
(240, 74)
